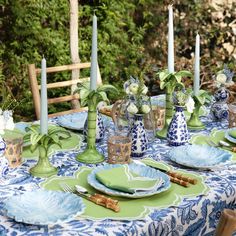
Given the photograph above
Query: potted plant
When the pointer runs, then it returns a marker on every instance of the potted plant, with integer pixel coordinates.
(43, 142)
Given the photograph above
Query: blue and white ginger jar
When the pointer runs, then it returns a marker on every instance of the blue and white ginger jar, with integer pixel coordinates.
(220, 109)
(138, 137)
(177, 133)
(100, 128)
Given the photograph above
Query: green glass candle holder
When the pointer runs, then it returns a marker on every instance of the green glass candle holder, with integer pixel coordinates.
(43, 168)
(168, 115)
(90, 155)
(194, 123)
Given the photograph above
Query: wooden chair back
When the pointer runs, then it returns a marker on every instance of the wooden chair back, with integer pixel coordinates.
(35, 87)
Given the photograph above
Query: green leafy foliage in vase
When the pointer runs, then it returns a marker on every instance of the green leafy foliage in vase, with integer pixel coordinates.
(170, 80)
(95, 96)
(203, 97)
(45, 141)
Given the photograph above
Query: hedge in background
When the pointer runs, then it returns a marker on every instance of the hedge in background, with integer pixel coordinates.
(132, 39)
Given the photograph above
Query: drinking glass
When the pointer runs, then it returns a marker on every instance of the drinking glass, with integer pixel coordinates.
(232, 114)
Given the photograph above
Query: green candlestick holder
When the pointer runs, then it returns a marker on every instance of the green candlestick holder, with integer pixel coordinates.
(194, 123)
(43, 168)
(168, 115)
(90, 155)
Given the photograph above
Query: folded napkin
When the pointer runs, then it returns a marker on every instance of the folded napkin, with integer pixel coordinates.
(121, 178)
(232, 133)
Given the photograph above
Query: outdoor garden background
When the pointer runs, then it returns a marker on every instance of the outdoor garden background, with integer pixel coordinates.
(132, 40)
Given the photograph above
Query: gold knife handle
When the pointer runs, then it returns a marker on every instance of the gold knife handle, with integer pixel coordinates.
(233, 149)
(181, 177)
(105, 201)
(179, 181)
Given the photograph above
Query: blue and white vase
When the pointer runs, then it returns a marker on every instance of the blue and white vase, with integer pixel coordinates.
(138, 137)
(220, 109)
(177, 133)
(4, 165)
(100, 128)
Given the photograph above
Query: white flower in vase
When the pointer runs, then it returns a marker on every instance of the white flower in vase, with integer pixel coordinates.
(183, 98)
(224, 77)
(221, 78)
(8, 119)
(2, 124)
(136, 91)
(127, 91)
(10, 124)
(132, 108)
(144, 90)
(145, 109)
(190, 105)
(133, 88)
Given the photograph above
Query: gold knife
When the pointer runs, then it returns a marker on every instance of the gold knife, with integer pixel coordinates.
(98, 199)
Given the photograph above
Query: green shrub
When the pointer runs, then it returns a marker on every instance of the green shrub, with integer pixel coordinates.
(132, 40)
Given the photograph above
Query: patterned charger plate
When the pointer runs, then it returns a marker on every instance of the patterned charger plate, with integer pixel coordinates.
(141, 170)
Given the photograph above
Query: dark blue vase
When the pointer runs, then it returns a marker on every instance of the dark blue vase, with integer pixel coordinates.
(177, 133)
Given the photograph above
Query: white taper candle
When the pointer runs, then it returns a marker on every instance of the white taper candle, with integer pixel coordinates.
(44, 100)
(93, 74)
(171, 68)
(196, 83)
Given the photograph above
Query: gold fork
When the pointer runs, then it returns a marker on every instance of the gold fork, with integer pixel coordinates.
(98, 199)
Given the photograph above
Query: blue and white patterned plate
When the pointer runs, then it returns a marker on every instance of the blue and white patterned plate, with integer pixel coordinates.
(228, 137)
(141, 170)
(199, 156)
(74, 121)
(42, 207)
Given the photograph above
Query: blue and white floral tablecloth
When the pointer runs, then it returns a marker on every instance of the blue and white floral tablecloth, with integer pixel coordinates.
(194, 216)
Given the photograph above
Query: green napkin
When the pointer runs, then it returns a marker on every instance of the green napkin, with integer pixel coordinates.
(121, 178)
(232, 133)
